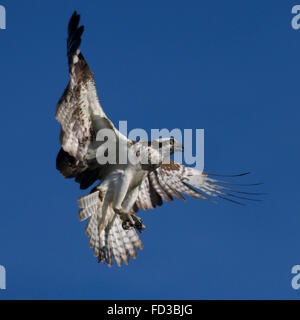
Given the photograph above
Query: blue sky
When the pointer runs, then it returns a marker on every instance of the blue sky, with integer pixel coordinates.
(229, 67)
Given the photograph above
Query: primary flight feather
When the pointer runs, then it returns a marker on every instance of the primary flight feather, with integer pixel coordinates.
(111, 207)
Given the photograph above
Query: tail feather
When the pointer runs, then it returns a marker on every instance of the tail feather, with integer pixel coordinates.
(89, 205)
(108, 239)
(117, 246)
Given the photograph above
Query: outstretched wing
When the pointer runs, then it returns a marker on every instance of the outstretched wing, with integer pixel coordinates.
(172, 180)
(80, 115)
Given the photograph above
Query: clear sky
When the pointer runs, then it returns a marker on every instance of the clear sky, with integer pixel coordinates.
(230, 67)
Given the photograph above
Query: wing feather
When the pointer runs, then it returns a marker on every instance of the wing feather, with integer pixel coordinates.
(80, 114)
(173, 180)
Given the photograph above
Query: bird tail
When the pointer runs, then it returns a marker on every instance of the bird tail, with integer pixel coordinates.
(107, 237)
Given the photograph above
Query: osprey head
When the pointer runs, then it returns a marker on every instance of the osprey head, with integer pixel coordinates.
(167, 146)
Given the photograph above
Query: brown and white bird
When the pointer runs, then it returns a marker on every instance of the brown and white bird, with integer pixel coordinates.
(125, 187)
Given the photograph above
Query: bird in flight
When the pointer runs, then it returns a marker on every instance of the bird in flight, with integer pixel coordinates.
(125, 186)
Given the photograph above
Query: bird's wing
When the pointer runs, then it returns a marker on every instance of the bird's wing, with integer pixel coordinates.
(172, 180)
(79, 112)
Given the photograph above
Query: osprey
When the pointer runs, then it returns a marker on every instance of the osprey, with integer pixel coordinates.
(111, 207)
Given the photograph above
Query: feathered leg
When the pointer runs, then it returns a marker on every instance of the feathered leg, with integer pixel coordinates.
(127, 205)
(129, 219)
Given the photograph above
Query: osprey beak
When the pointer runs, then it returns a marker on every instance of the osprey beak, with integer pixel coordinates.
(180, 148)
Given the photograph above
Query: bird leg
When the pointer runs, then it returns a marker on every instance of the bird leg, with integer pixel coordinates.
(130, 220)
(138, 224)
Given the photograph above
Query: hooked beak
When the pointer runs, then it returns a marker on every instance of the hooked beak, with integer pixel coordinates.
(180, 148)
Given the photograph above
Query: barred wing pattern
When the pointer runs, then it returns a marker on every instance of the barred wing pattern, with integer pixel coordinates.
(172, 180)
(79, 113)
(107, 237)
